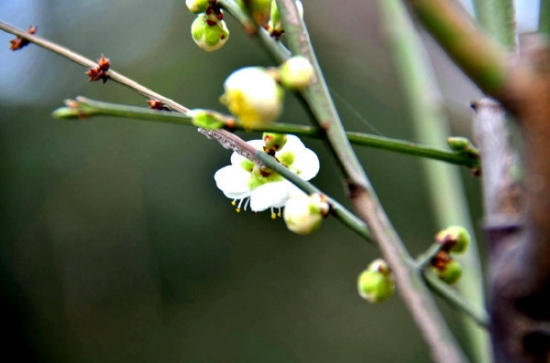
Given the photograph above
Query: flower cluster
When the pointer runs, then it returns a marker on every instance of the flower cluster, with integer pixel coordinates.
(210, 31)
(454, 240)
(261, 188)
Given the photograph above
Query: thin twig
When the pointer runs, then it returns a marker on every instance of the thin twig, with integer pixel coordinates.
(97, 108)
(86, 62)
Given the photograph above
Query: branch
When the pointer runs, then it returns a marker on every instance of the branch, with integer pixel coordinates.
(86, 62)
(90, 108)
(411, 287)
(480, 58)
(498, 18)
(430, 124)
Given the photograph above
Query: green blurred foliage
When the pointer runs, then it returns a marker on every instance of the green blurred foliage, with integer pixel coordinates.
(116, 245)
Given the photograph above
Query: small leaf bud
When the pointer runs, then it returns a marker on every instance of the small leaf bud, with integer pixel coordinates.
(207, 119)
(304, 214)
(253, 96)
(209, 33)
(376, 283)
(454, 239)
(296, 73)
(197, 6)
(450, 273)
(462, 145)
(273, 141)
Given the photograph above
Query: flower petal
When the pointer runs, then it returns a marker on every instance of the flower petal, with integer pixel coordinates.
(232, 179)
(237, 159)
(269, 195)
(307, 163)
(294, 144)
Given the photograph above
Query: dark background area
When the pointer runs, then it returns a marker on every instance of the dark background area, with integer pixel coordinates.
(116, 245)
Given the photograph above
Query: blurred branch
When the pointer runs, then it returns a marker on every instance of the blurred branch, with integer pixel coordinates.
(430, 124)
(84, 108)
(519, 251)
(544, 17)
(411, 287)
(480, 58)
(498, 18)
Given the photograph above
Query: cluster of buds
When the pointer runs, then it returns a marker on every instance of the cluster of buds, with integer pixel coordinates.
(209, 30)
(376, 283)
(100, 71)
(453, 240)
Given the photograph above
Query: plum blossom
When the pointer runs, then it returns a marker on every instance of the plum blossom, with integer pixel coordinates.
(260, 187)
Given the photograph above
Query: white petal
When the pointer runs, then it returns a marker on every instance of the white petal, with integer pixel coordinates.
(269, 195)
(307, 163)
(294, 144)
(232, 179)
(237, 159)
(237, 196)
(256, 144)
(294, 191)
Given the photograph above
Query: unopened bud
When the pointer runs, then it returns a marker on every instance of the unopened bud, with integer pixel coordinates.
(304, 214)
(209, 33)
(450, 273)
(454, 239)
(259, 10)
(296, 73)
(253, 96)
(207, 119)
(197, 6)
(376, 283)
(275, 26)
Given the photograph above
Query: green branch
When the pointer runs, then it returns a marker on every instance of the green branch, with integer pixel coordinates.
(430, 125)
(478, 56)
(498, 18)
(84, 108)
(544, 17)
(455, 300)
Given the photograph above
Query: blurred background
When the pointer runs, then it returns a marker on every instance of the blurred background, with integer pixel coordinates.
(116, 245)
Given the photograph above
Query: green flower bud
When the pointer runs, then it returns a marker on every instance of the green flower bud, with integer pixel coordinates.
(376, 283)
(259, 10)
(275, 26)
(462, 145)
(253, 96)
(304, 214)
(197, 6)
(455, 239)
(450, 273)
(296, 73)
(274, 141)
(207, 119)
(209, 33)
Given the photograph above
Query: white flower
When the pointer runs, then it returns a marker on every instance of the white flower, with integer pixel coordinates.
(296, 73)
(244, 181)
(253, 96)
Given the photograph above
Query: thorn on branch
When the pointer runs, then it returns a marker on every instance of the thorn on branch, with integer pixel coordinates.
(100, 72)
(18, 43)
